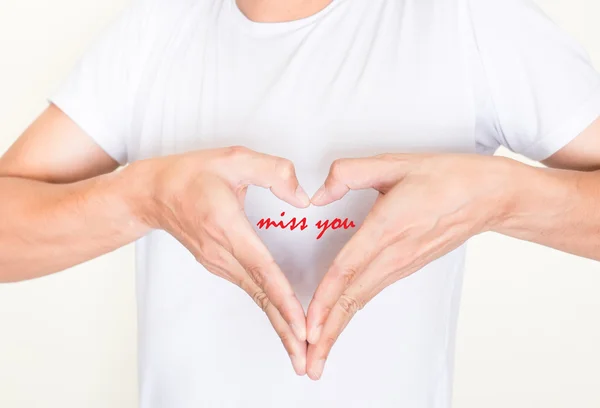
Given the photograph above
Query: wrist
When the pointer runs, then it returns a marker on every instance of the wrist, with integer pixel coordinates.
(503, 176)
(527, 192)
(136, 186)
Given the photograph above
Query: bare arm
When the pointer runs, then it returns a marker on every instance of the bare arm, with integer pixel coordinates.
(431, 204)
(66, 204)
(559, 206)
(62, 203)
(48, 228)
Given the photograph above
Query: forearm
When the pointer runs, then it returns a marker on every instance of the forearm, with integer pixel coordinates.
(556, 208)
(45, 228)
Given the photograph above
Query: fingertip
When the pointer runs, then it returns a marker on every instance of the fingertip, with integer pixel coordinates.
(315, 372)
(299, 331)
(319, 198)
(299, 364)
(325, 196)
(302, 197)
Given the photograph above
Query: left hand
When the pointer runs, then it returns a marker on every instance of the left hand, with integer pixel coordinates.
(428, 206)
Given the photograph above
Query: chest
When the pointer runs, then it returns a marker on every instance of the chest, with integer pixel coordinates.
(369, 78)
(382, 78)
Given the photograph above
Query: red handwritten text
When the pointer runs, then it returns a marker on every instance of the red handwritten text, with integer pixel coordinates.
(336, 224)
(293, 224)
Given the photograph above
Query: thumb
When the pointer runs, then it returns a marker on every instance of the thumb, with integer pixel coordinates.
(378, 172)
(275, 173)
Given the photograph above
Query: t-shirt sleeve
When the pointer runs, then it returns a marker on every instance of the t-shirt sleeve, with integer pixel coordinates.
(98, 93)
(542, 85)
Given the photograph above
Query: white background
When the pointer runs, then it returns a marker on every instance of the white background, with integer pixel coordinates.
(529, 329)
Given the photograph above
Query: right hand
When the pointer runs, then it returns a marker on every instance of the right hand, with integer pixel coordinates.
(198, 198)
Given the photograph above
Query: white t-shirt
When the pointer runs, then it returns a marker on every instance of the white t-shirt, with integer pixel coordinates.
(360, 77)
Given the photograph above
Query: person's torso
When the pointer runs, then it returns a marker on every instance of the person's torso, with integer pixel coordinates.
(361, 77)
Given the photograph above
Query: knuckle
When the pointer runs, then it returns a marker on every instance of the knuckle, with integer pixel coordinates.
(337, 168)
(262, 300)
(246, 285)
(217, 259)
(326, 309)
(259, 271)
(202, 252)
(349, 305)
(285, 169)
(346, 272)
(204, 248)
(236, 151)
(284, 336)
(199, 257)
(232, 155)
(257, 275)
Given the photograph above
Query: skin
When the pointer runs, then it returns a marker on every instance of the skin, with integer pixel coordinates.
(197, 197)
(273, 11)
(431, 204)
(67, 201)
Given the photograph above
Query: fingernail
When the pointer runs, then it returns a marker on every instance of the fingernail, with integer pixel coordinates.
(302, 196)
(314, 334)
(318, 195)
(317, 369)
(299, 331)
(299, 364)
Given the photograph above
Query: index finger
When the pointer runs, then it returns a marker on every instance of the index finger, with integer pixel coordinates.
(267, 171)
(351, 261)
(378, 172)
(247, 247)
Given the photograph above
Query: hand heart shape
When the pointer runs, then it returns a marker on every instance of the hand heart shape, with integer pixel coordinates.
(426, 206)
